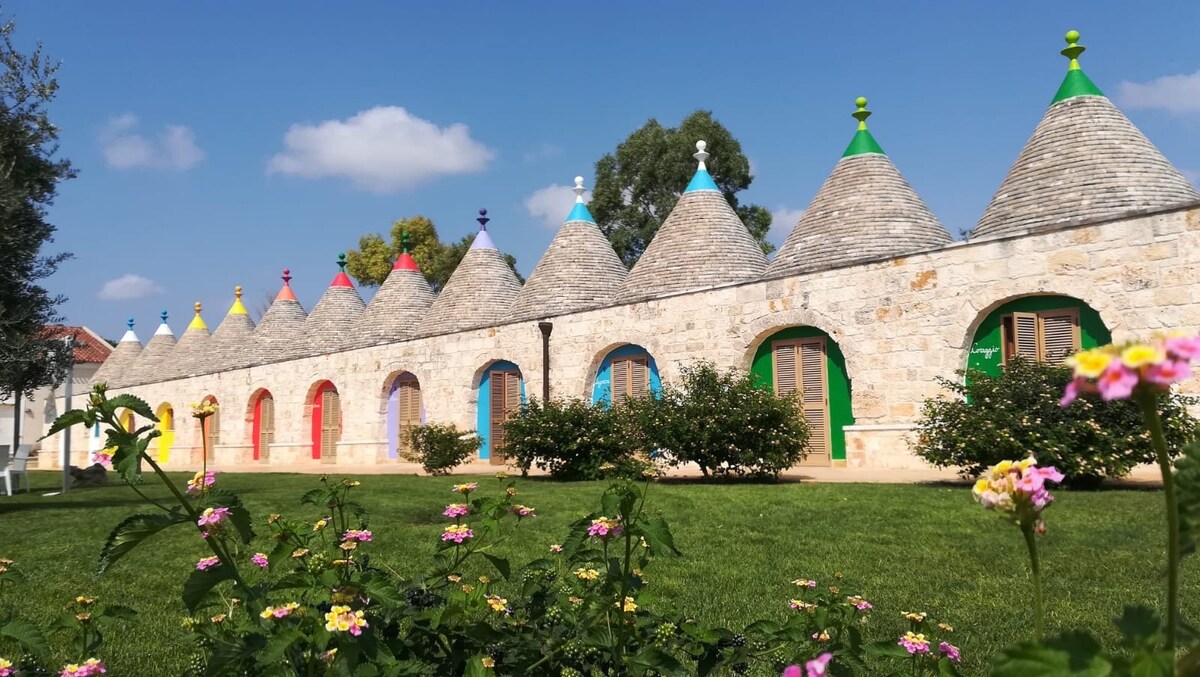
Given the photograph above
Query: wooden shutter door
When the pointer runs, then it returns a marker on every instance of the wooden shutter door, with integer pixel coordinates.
(1025, 335)
(496, 384)
(639, 377)
(266, 425)
(408, 411)
(815, 400)
(784, 367)
(619, 376)
(1059, 334)
(214, 431)
(331, 416)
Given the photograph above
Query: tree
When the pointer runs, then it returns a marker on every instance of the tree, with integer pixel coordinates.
(30, 356)
(638, 187)
(371, 263)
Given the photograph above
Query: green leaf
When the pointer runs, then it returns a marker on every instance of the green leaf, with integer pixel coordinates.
(886, 648)
(278, 645)
(240, 518)
(200, 582)
(1074, 653)
(653, 658)
(133, 403)
(501, 565)
(118, 611)
(658, 537)
(66, 420)
(1153, 664)
(28, 636)
(1187, 486)
(130, 533)
(475, 667)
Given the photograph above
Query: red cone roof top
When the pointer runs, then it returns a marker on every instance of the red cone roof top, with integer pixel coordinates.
(285, 293)
(341, 279)
(404, 261)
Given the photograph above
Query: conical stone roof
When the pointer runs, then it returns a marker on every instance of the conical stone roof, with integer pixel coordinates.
(117, 368)
(330, 325)
(152, 358)
(232, 344)
(580, 270)
(701, 244)
(865, 211)
(189, 356)
(395, 311)
(1085, 162)
(280, 334)
(479, 293)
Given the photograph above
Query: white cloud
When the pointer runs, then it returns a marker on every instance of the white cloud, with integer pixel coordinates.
(1178, 94)
(125, 147)
(782, 222)
(552, 203)
(128, 287)
(383, 149)
(542, 152)
(1191, 175)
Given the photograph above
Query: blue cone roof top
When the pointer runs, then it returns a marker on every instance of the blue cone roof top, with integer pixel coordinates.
(580, 211)
(702, 180)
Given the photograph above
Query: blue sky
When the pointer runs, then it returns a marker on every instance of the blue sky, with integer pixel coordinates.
(219, 142)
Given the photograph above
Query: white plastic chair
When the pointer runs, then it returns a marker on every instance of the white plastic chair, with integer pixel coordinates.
(18, 465)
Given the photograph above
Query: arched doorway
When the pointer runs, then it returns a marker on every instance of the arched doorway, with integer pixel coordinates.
(326, 422)
(166, 428)
(1043, 328)
(210, 428)
(262, 425)
(808, 362)
(501, 391)
(405, 411)
(626, 371)
(127, 420)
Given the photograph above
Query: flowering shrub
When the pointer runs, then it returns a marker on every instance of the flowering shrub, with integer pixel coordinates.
(723, 422)
(988, 419)
(572, 440)
(317, 603)
(440, 448)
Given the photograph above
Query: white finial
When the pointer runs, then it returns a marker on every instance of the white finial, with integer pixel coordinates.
(701, 155)
(579, 190)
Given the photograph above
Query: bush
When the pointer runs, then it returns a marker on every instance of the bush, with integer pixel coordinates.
(572, 440)
(988, 419)
(440, 448)
(722, 422)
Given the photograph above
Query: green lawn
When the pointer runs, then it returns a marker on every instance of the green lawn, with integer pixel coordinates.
(905, 548)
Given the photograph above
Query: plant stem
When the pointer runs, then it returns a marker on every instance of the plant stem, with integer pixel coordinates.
(1149, 404)
(1035, 567)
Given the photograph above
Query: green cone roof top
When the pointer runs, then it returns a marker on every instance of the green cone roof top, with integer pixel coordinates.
(1077, 83)
(862, 142)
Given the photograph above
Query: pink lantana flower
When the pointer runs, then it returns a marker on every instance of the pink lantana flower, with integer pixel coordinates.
(950, 651)
(359, 535)
(201, 481)
(604, 528)
(818, 666)
(456, 510)
(103, 458)
(208, 563)
(260, 559)
(212, 516)
(457, 533)
(1017, 488)
(1118, 372)
(914, 643)
(522, 511)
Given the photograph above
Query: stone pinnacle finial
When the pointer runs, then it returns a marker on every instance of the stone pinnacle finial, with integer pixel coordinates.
(287, 277)
(701, 155)
(198, 307)
(862, 113)
(483, 219)
(129, 324)
(404, 242)
(163, 315)
(579, 190)
(237, 292)
(342, 262)
(1073, 50)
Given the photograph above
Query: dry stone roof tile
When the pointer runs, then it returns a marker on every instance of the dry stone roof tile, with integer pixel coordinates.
(479, 293)
(331, 324)
(395, 312)
(701, 244)
(864, 211)
(116, 368)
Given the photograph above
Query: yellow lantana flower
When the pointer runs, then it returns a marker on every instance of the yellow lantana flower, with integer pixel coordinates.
(1090, 363)
(1140, 355)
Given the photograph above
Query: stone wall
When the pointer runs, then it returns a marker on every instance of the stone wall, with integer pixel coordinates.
(899, 322)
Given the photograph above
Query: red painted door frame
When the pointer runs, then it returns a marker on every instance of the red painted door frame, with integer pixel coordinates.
(317, 410)
(257, 428)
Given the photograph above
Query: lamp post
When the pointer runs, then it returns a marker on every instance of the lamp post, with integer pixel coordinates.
(68, 384)
(546, 328)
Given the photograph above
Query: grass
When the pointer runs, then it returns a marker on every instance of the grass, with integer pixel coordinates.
(904, 547)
